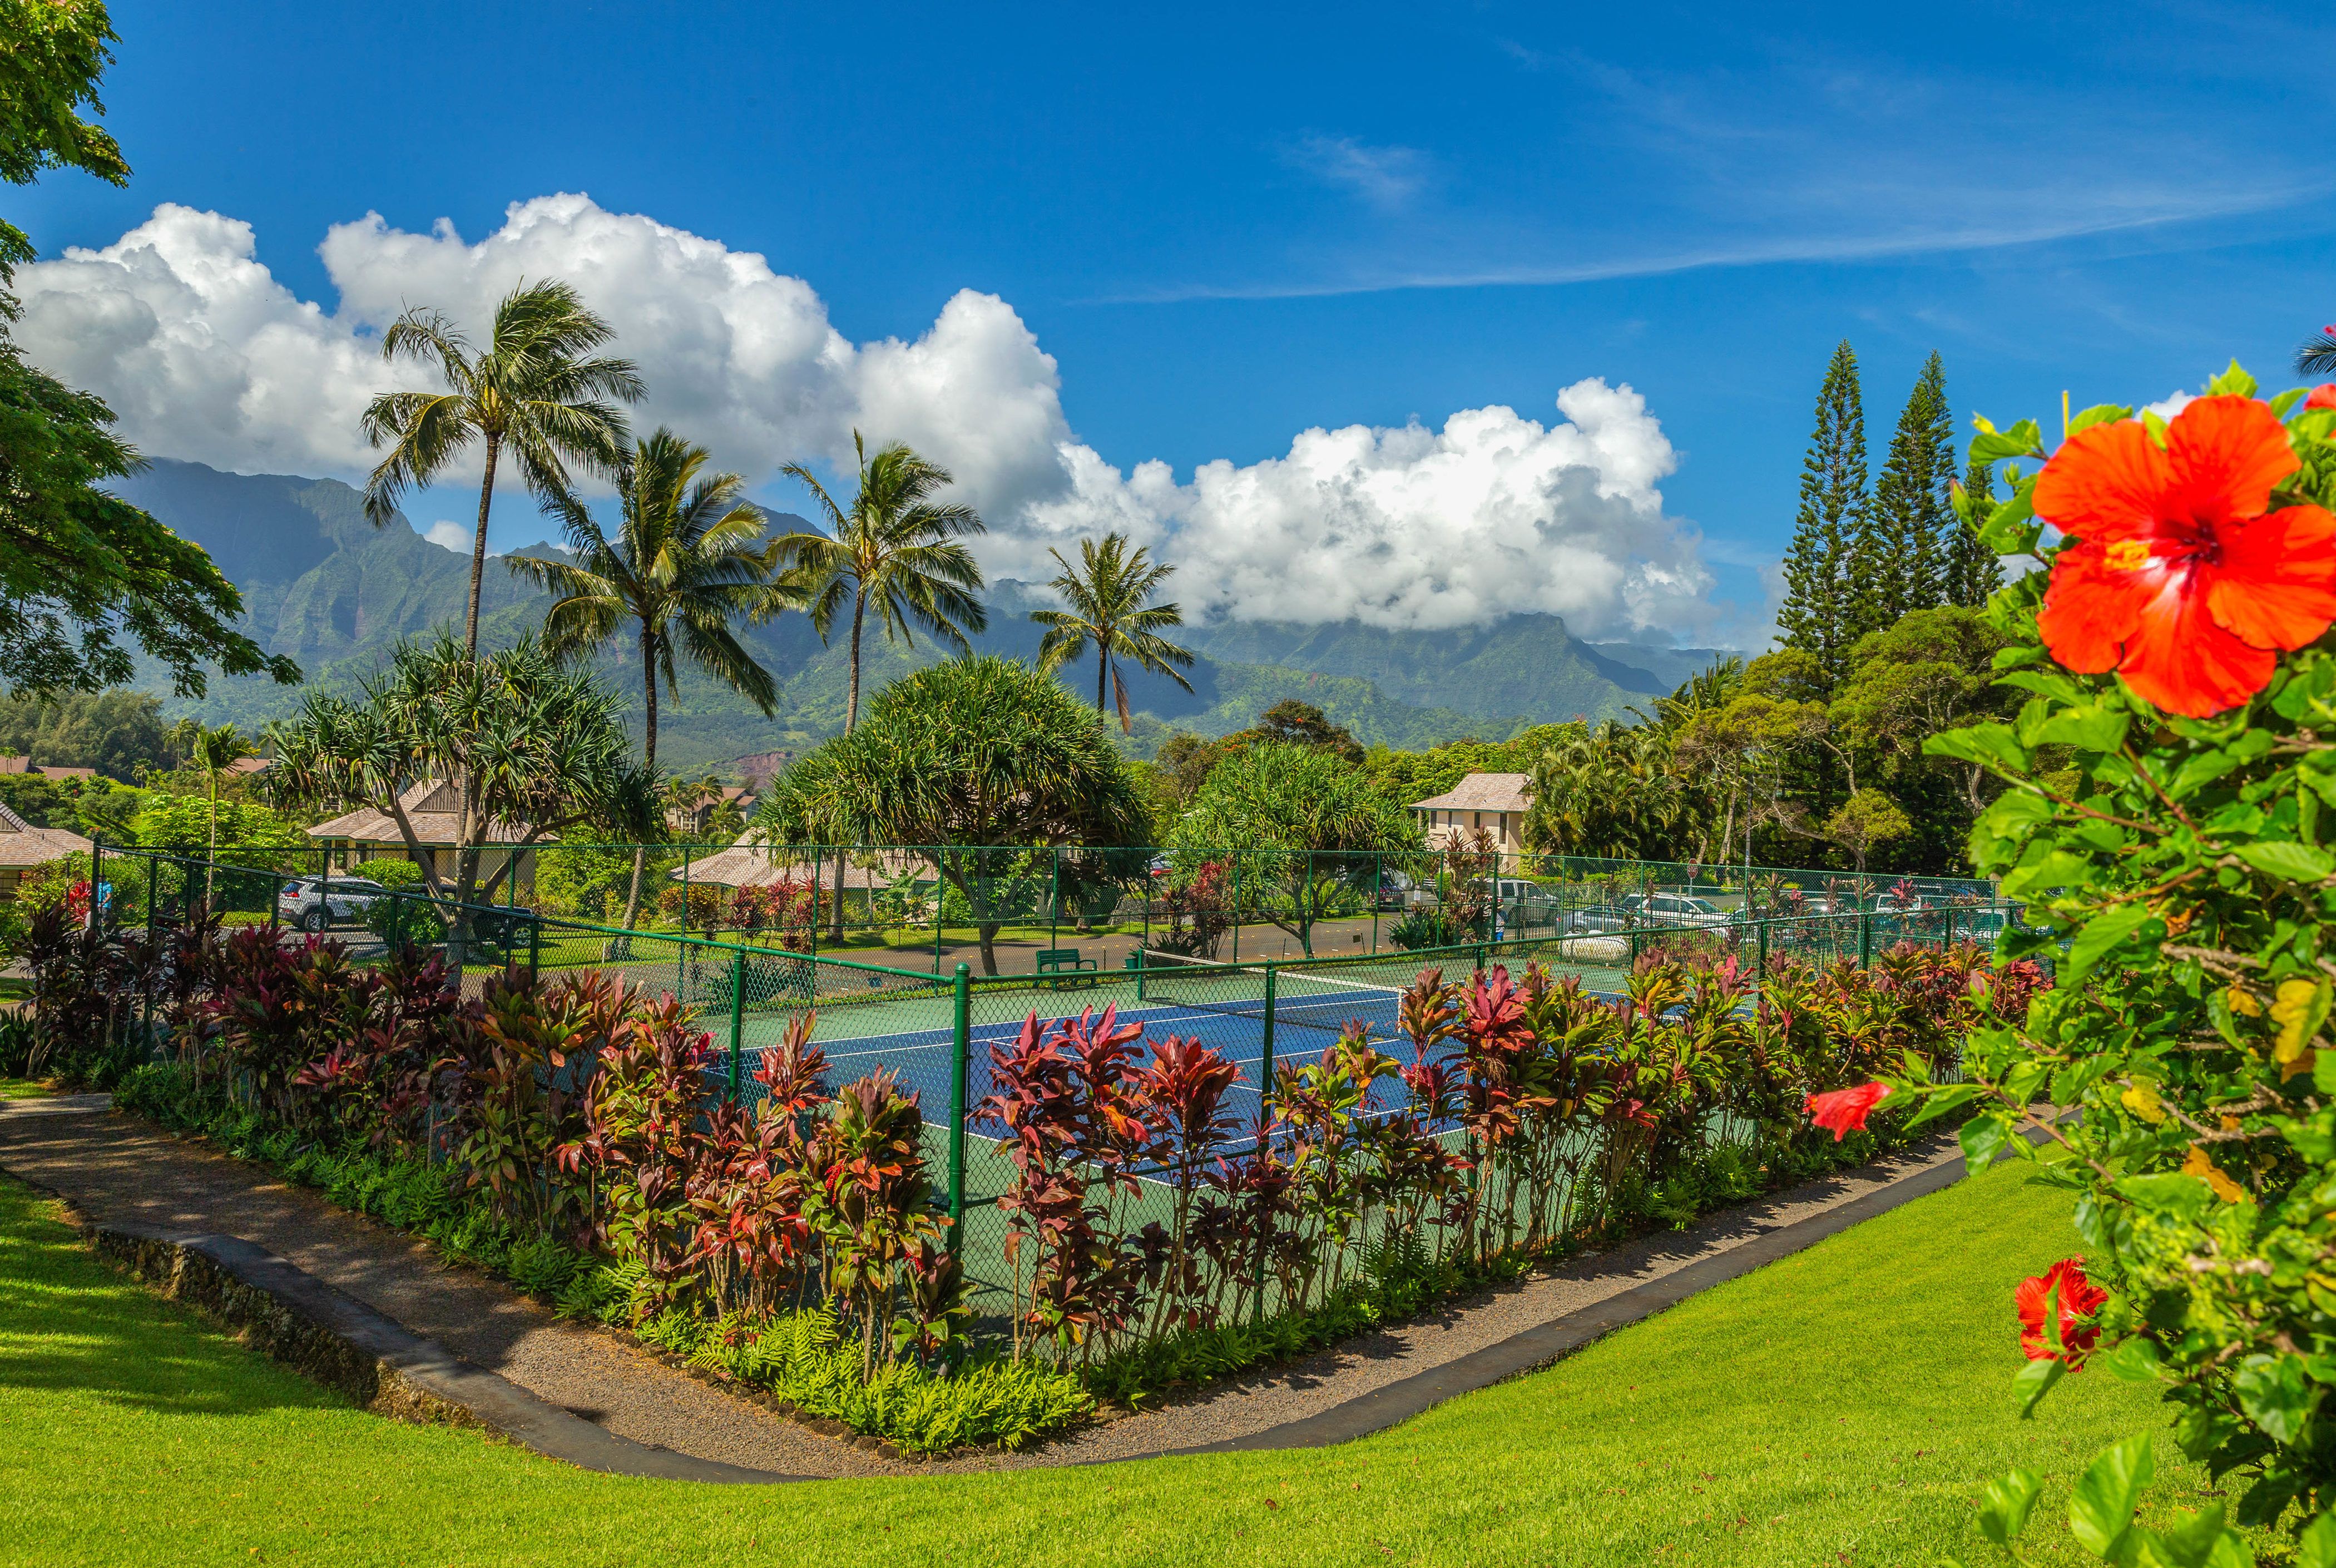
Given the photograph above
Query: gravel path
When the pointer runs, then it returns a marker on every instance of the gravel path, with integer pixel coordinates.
(118, 1170)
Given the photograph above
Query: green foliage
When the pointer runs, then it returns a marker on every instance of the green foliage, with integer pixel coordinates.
(1819, 614)
(683, 567)
(1899, 563)
(1405, 776)
(1109, 596)
(181, 825)
(121, 734)
(51, 57)
(1282, 812)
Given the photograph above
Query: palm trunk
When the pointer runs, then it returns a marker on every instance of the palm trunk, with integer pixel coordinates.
(850, 718)
(648, 753)
(479, 548)
(1103, 673)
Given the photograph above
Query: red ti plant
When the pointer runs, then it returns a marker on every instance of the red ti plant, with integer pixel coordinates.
(868, 1200)
(1184, 1088)
(511, 1114)
(748, 1189)
(640, 1107)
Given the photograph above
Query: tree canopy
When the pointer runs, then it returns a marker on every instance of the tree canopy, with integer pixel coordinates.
(978, 752)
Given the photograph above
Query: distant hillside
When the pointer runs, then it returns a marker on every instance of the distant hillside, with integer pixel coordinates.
(325, 587)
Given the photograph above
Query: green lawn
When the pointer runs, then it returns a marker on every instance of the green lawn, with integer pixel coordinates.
(1841, 1407)
(24, 1089)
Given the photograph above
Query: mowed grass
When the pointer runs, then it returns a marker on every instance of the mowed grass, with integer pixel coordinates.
(1841, 1407)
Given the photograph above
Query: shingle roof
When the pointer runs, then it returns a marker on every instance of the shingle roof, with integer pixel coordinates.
(1482, 792)
(21, 844)
(745, 864)
(434, 806)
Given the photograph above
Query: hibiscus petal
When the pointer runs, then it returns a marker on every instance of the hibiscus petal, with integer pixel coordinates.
(2224, 454)
(2180, 659)
(2091, 610)
(2103, 483)
(2275, 584)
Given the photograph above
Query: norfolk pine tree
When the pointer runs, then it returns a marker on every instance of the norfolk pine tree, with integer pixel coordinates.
(1972, 571)
(1900, 559)
(1819, 612)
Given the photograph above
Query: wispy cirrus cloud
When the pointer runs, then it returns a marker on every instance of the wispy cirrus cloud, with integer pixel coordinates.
(1386, 177)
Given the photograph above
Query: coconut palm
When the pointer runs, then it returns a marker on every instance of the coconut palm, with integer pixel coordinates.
(2317, 355)
(213, 752)
(895, 551)
(686, 562)
(538, 391)
(1109, 594)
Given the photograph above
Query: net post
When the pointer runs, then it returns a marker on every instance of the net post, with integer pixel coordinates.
(1264, 1093)
(960, 1053)
(737, 1022)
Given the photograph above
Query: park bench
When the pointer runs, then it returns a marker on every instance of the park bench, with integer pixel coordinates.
(1064, 964)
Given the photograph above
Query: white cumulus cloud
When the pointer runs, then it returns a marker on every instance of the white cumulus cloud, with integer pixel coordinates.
(448, 534)
(205, 356)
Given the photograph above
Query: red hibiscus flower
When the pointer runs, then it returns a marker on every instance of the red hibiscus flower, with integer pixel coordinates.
(2322, 396)
(1844, 1111)
(2178, 577)
(2080, 1299)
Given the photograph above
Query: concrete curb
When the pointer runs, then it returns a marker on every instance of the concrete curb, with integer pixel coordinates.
(300, 1321)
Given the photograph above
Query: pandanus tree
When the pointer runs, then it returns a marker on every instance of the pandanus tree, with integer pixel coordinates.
(964, 756)
(519, 745)
(1108, 607)
(685, 564)
(538, 393)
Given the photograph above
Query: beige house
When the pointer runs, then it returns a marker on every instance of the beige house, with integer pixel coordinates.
(1495, 801)
(434, 807)
(24, 847)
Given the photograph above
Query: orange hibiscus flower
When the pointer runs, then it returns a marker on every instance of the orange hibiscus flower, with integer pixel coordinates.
(2179, 577)
(2079, 1299)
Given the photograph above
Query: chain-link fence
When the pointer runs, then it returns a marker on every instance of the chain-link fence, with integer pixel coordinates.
(940, 1035)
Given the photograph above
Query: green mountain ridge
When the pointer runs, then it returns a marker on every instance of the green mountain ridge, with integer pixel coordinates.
(325, 586)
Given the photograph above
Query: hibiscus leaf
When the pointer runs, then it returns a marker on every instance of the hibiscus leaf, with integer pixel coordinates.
(1947, 1099)
(2086, 728)
(2099, 414)
(2232, 383)
(2105, 932)
(2011, 528)
(2190, 1542)
(2172, 1193)
(2315, 1544)
(1982, 1138)
(2134, 1361)
(2100, 1510)
(1987, 744)
(2291, 862)
(2007, 1505)
(2025, 439)
(2033, 1382)
(2275, 1395)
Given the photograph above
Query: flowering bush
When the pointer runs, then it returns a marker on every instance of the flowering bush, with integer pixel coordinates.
(2163, 799)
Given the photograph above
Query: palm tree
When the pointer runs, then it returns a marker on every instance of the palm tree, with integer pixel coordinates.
(896, 550)
(214, 751)
(538, 390)
(1109, 607)
(686, 562)
(2317, 355)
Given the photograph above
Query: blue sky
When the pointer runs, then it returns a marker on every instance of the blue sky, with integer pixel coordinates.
(1229, 224)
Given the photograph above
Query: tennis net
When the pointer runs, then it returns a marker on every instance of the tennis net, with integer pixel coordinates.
(1326, 998)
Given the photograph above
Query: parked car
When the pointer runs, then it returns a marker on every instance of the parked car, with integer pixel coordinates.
(1526, 903)
(314, 903)
(1598, 921)
(1677, 910)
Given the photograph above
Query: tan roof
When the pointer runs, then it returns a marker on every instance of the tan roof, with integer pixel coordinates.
(21, 844)
(16, 765)
(251, 765)
(24, 765)
(434, 807)
(1482, 792)
(745, 864)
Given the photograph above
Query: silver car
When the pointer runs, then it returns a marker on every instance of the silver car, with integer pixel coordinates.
(315, 903)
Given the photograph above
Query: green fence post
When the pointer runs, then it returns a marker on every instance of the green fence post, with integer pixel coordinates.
(681, 949)
(960, 1055)
(96, 877)
(1264, 1097)
(940, 895)
(535, 946)
(1053, 898)
(1864, 941)
(1139, 970)
(1236, 913)
(1378, 881)
(738, 1022)
(1760, 968)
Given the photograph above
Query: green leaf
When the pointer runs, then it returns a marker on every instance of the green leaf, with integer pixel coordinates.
(2192, 1542)
(1982, 1138)
(2100, 1510)
(2185, 1197)
(2035, 1380)
(2099, 414)
(2007, 1504)
(2084, 728)
(2287, 400)
(2232, 383)
(1950, 1097)
(2052, 869)
(2275, 1395)
(2293, 861)
(2011, 528)
(2315, 1544)
(2102, 934)
(2132, 1361)
(1987, 744)
(2025, 439)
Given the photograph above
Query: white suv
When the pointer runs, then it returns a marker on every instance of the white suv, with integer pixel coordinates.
(312, 904)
